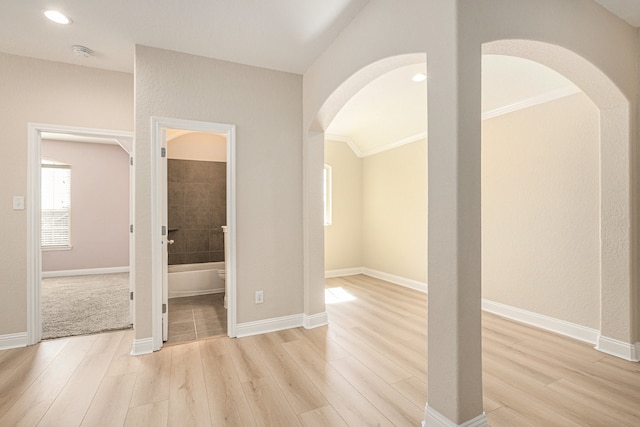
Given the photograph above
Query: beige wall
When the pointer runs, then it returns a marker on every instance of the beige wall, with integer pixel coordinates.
(44, 92)
(266, 107)
(379, 211)
(540, 210)
(99, 206)
(540, 195)
(394, 213)
(343, 238)
(202, 146)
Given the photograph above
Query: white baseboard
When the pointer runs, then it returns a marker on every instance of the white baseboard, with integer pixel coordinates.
(541, 321)
(433, 418)
(315, 320)
(343, 272)
(398, 280)
(85, 272)
(621, 349)
(269, 325)
(13, 340)
(180, 294)
(142, 346)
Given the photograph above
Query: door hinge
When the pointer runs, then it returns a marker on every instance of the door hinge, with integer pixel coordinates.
(163, 152)
(164, 230)
(164, 308)
(131, 161)
(131, 296)
(131, 228)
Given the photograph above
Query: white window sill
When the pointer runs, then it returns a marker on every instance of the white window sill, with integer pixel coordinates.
(56, 248)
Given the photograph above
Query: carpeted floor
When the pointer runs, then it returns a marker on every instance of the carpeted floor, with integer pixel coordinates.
(80, 305)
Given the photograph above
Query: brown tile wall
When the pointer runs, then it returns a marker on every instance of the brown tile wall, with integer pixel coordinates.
(197, 203)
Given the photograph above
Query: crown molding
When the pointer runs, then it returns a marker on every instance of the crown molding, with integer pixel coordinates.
(407, 140)
(530, 102)
(509, 108)
(357, 152)
(346, 140)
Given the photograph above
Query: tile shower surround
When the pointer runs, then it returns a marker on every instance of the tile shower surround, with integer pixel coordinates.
(197, 203)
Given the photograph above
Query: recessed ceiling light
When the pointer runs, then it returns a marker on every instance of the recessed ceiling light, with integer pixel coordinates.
(420, 77)
(57, 17)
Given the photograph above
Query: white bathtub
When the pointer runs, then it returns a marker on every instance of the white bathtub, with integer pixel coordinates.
(187, 280)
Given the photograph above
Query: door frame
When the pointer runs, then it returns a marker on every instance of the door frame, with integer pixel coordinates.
(158, 217)
(34, 253)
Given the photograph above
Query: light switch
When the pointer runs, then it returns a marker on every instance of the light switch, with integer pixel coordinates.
(18, 203)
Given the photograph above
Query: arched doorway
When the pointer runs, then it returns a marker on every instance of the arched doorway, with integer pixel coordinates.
(453, 35)
(615, 178)
(615, 215)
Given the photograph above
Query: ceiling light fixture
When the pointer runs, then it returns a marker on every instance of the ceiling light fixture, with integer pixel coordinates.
(57, 17)
(82, 51)
(420, 77)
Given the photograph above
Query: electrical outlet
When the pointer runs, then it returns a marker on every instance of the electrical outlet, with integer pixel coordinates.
(259, 297)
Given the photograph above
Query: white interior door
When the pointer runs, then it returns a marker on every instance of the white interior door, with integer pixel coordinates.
(165, 237)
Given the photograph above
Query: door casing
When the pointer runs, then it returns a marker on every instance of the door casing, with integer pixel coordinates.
(34, 258)
(159, 219)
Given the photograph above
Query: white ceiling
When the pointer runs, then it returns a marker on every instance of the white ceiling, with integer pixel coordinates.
(389, 111)
(286, 35)
(392, 110)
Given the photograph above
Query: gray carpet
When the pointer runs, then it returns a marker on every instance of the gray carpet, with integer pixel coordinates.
(81, 305)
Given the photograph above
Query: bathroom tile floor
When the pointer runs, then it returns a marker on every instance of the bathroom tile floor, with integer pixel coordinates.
(197, 317)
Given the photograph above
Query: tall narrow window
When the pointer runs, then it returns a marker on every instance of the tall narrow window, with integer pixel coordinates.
(327, 195)
(55, 222)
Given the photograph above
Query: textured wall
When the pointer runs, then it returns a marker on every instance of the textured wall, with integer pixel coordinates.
(197, 203)
(266, 107)
(540, 210)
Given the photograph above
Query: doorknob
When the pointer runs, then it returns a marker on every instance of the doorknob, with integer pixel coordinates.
(171, 242)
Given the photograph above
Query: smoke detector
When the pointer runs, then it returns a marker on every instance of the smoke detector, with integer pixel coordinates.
(82, 51)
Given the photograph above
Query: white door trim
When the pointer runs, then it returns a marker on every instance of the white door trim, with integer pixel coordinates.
(34, 255)
(158, 175)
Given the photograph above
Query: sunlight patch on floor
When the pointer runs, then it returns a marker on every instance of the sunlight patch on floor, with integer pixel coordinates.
(336, 295)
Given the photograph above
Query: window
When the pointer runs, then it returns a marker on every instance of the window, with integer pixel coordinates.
(55, 222)
(327, 195)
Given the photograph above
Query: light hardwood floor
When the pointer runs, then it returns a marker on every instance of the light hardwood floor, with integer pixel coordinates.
(367, 368)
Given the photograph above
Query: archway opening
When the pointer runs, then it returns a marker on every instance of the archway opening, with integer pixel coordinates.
(540, 198)
(376, 150)
(615, 329)
(615, 240)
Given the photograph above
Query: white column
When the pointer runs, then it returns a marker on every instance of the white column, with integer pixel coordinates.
(455, 361)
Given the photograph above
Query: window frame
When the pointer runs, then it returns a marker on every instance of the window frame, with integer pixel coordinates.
(65, 245)
(327, 194)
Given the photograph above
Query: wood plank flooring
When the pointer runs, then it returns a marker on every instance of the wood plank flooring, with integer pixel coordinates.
(367, 368)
